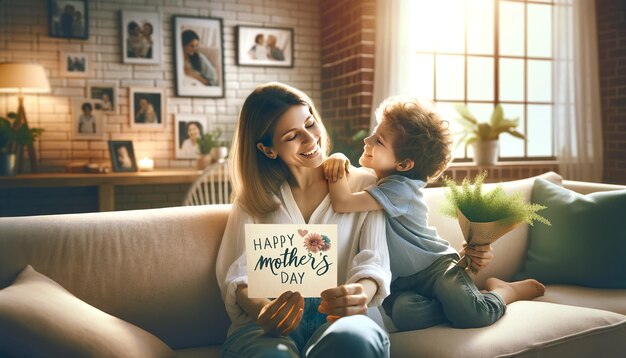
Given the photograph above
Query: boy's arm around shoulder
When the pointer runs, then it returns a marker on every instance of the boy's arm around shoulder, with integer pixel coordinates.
(344, 200)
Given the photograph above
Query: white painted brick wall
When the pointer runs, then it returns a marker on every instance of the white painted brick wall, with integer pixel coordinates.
(24, 36)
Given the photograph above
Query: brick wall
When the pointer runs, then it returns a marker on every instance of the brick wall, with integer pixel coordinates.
(611, 18)
(347, 50)
(24, 36)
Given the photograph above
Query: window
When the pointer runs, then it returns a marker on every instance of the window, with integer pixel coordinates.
(482, 52)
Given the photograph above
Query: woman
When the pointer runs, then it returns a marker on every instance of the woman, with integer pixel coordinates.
(146, 113)
(278, 150)
(195, 64)
(189, 147)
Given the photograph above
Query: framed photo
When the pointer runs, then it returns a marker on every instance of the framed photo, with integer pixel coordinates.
(105, 95)
(87, 120)
(69, 19)
(264, 46)
(198, 56)
(188, 129)
(74, 64)
(141, 37)
(122, 156)
(147, 107)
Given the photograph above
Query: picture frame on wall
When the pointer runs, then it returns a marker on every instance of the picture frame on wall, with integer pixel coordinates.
(122, 156)
(147, 107)
(69, 19)
(105, 95)
(141, 37)
(198, 56)
(87, 121)
(265, 46)
(188, 129)
(74, 64)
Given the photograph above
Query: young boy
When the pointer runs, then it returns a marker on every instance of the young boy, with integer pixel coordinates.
(410, 147)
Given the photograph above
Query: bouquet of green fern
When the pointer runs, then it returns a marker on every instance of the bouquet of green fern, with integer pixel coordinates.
(485, 217)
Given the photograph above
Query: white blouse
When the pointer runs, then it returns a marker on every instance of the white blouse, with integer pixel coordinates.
(362, 250)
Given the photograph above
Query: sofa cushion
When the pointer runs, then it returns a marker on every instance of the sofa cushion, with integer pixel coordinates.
(607, 299)
(165, 256)
(586, 243)
(38, 317)
(528, 329)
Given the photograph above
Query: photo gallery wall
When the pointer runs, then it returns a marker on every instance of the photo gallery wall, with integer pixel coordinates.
(198, 59)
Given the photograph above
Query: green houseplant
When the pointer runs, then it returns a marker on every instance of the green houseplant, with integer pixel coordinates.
(485, 217)
(212, 148)
(13, 136)
(483, 136)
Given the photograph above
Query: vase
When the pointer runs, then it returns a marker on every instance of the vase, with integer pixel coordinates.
(7, 164)
(219, 154)
(203, 161)
(485, 152)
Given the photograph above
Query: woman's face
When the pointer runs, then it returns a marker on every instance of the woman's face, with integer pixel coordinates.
(297, 138)
(193, 131)
(143, 103)
(192, 47)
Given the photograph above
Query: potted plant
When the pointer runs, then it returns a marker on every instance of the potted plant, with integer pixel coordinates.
(13, 136)
(212, 149)
(485, 217)
(483, 136)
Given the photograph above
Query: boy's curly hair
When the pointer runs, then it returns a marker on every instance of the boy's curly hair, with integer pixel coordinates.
(419, 135)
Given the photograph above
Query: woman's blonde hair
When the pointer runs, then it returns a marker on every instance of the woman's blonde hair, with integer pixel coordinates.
(256, 179)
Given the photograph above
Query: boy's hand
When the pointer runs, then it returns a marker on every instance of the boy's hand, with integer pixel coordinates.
(480, 255)
(336, 166)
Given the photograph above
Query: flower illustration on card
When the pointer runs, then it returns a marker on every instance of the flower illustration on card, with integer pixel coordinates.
(315, 242)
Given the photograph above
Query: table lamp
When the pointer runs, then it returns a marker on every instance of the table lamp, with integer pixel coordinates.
(23, 78)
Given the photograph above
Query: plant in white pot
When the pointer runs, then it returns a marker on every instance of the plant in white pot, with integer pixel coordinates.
(212, 149)
(12, 137)
(483, 136)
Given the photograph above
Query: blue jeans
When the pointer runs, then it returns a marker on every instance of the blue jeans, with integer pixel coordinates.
(443, 292)
(356, 336)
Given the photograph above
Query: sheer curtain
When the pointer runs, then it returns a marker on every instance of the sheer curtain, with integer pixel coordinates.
(392, 39)
(577, 111)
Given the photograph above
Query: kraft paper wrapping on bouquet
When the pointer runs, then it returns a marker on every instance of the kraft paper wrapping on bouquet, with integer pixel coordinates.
(481, 233)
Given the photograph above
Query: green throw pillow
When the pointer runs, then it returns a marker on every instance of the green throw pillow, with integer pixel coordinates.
(586, 244)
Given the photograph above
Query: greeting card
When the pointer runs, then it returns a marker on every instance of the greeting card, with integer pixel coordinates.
(284, 257)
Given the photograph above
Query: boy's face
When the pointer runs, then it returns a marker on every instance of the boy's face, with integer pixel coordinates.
(378, 151)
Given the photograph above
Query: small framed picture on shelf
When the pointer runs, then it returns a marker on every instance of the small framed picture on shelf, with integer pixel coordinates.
(147, 107)
(198, 56)
(141, 37)
(264, 46)
(105, 93)
(74, 64)
(69, 19)
(87, 121)
(122, 156)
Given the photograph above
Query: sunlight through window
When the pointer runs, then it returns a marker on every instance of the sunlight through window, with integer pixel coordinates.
(482, 52)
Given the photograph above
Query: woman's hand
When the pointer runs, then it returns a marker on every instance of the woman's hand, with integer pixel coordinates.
(344, 300)
(480, 256)
(282, 315)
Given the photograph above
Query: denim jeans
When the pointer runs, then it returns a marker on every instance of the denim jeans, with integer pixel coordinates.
(356, 336)
(443, 292)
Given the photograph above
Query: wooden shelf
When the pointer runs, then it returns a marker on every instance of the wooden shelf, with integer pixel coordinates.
(105, 182)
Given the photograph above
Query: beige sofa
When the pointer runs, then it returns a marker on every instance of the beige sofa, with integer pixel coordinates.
(156, 270)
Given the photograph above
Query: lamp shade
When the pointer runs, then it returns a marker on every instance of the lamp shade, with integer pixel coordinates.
(23, 78)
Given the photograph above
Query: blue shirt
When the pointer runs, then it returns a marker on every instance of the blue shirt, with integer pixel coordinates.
(413, 245)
